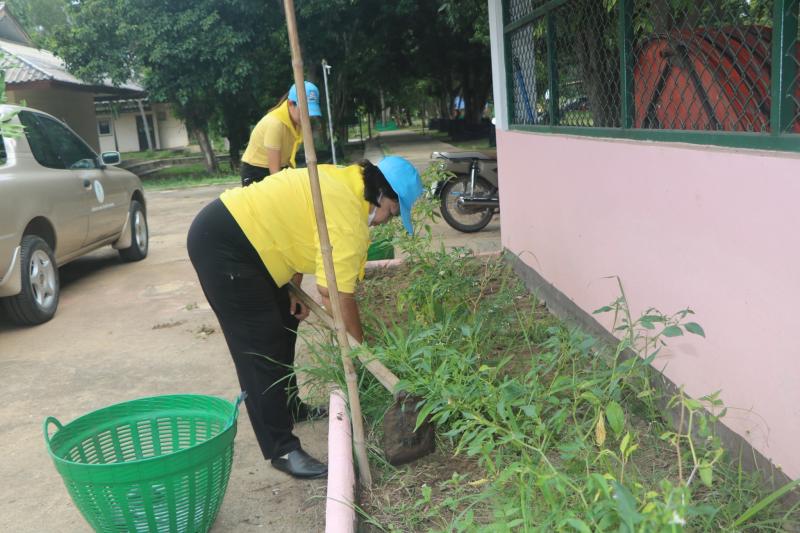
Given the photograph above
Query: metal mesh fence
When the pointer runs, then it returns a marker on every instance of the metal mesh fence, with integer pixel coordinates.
(520, 8)
(586, 84)
(529, 73)
(695, 65)
(702, 65)
(587, 59)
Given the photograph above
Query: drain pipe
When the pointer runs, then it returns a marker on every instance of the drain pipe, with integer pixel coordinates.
(340, 513)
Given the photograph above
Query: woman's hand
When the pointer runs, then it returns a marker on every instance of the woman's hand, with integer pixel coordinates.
(297, 308)
(352, 320)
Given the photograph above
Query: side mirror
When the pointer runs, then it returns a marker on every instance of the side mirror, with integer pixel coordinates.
(111, 158)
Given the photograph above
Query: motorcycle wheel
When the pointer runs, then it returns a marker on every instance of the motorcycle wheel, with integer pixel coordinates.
(465, 219)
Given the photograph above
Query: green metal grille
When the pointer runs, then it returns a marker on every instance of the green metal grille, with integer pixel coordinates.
(792, 58)
(703, 71)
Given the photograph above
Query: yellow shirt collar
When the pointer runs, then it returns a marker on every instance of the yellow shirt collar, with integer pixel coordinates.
(282, 114)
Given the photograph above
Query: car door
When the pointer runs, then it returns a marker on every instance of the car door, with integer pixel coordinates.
(47, 188)
(106, 195)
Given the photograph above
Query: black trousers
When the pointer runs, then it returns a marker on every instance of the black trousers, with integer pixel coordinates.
(253, 313)
(251, 173)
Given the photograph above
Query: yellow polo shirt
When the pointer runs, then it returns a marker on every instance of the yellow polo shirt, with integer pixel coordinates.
(277, 216)
(274, 131)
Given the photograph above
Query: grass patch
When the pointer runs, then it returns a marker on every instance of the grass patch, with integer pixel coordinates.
(540, 427)
(187, 176)
(147, 155)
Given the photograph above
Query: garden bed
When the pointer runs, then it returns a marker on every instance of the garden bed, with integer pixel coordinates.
(540, 427)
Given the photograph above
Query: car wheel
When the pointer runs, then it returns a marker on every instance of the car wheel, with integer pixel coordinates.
(38, 300)
(140, 237)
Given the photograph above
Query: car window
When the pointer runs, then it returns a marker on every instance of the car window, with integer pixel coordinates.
(42, 150)
(2, 151)
(73, 152)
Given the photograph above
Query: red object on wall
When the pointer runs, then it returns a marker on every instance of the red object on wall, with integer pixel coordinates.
(706, 79)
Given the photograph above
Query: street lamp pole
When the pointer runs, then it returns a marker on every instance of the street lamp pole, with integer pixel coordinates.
(325, 70)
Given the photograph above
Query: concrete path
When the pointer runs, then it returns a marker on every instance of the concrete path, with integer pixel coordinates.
(417, 148)
(125, 331)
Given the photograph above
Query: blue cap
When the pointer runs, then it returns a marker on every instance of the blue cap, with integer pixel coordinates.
(405, 181)
(312, 95)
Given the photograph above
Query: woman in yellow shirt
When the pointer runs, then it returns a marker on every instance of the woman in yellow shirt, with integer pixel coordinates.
(274, 140)
(248, 244)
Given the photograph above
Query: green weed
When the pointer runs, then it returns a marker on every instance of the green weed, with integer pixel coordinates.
(565, 433)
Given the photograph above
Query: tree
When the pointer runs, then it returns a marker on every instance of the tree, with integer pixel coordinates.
(398, 54)
(40, 18)
(469, 23)
(222, 63)
(205, 57)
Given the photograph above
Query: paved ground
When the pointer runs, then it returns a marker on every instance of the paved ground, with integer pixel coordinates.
(130, 330)
(417, 148)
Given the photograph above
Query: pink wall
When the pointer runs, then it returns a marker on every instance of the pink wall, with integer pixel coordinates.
(714, 229)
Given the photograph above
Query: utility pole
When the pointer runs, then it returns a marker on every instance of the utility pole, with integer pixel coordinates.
(325, 70)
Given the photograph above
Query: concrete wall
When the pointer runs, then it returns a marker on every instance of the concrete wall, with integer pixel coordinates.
(76, 108)
(171, 130)
(710, 228)
(681, 225)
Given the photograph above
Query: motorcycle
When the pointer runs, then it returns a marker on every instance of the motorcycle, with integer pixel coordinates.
(469, 196)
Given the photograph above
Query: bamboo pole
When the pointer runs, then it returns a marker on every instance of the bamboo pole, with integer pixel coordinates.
(357, 421)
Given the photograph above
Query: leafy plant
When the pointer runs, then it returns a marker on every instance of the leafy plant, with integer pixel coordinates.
(569, 433)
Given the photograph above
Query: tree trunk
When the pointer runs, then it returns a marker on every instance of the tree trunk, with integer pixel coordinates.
(234, 153)
(201, 134)
(383, 109)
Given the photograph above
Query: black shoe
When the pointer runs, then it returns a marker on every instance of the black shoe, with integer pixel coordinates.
(302, 412)
(300, 465)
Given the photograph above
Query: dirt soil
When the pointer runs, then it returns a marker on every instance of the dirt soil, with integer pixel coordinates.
(125, 331)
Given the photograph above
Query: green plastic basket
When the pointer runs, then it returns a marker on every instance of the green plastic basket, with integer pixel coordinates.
(156, 464)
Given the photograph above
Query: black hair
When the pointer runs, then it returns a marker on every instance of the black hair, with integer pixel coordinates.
(280, 103)
(375, 183)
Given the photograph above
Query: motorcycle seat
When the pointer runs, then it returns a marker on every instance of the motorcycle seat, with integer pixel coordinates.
(461, 156)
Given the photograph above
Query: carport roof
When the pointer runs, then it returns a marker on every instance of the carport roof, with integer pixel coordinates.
(29, 66)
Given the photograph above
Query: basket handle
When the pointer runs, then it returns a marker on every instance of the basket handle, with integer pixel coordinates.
(236, 403)
(45, 427)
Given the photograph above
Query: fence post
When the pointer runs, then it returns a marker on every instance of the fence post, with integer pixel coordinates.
(626, 62)
(552, 68)
(784, 65)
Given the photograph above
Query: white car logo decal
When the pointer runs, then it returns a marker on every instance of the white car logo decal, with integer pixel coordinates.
(99, 192)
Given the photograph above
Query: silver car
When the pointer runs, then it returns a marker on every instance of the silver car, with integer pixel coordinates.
(58, 200)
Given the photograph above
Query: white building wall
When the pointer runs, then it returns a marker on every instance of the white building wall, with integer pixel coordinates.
(171, 130)
(127, 138)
